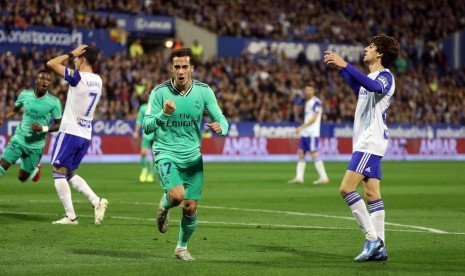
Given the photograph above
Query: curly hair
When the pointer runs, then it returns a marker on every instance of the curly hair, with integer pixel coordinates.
(387, 46)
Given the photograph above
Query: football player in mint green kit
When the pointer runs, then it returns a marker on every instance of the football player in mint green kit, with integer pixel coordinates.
(147, 140)
(28, 142)
(174, 115)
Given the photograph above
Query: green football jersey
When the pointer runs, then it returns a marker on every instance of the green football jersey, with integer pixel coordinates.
(40, 110)
(178, 136)
(140, 119)
(141, 114)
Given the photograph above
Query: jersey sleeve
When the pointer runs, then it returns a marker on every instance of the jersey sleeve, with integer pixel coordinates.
(56, 112)
(72, 76)
(20, 100)
(154, 115)
(385, 79)
(317, 107)
(214, 111)
(140, 116)
(353, 84)
(363, 80)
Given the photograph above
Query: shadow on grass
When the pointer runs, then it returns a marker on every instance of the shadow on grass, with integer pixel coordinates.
(23, 217)
(116, 254)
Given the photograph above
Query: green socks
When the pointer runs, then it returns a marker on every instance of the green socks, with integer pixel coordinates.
(188, 226)
(143, 162)
(166, 202)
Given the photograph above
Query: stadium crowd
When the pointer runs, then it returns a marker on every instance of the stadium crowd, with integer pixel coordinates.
(250, 90)
(414, 23)
(266, 87)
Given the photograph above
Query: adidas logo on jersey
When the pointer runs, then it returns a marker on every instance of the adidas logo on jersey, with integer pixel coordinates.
(368, 170)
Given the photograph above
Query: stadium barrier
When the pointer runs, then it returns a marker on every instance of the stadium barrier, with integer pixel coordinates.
(271, 142)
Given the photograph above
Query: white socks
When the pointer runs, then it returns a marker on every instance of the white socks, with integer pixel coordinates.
(360, 212)
(81, 186)
(64, 193)
(320, 168)
(300, 170)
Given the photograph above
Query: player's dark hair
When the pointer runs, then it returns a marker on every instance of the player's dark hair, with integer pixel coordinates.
(43, 71)
(387, 46)
(183, 52)
(311, 84)
(91, 55)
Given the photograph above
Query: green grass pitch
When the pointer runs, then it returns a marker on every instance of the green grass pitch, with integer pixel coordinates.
(251, 222)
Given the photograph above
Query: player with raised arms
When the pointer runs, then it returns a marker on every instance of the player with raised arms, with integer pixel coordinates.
(73, 140)
(370, 139)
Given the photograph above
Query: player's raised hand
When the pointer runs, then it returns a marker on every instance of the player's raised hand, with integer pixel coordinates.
(215, 127)
(79, 50)
(169, 107)
(334, 60)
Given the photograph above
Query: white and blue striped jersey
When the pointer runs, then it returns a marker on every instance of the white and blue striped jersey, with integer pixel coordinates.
(370, 130)
(312, 106)
(84, 93)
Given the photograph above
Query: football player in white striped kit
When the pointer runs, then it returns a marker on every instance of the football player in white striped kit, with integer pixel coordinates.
(74, 135)
(370, 139)
(309, 133)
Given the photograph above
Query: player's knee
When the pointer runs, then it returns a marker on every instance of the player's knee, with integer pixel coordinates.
(344, 190)
(189, 207)
(189, 210)
(372, 195)
(176, 198)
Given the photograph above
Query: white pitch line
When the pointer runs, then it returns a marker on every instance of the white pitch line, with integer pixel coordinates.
(232, 223)
(418, 228)
(322, 216)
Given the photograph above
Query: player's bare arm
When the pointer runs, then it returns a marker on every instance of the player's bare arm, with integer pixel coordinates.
(135, 134)
(306, 124)
(56, 65)
(39, 128)
(9, 114)
(169, 107)
(215, 127)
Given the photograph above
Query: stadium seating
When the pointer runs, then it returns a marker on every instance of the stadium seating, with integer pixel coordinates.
(269, 90)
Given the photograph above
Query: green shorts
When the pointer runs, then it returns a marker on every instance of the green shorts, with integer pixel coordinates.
(190, 175)
(30, 157)
(147, 141)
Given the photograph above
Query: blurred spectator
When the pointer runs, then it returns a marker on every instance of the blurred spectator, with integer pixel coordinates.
(262, 87)
(401, 63)
(197, 50)
(136, 49)
(177, 44)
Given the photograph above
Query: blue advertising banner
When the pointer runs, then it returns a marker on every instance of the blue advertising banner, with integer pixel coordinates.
(279, 130)
(62, 38)
(229, 46)
(153, 24)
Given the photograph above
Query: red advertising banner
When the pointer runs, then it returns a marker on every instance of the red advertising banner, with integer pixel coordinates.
(117, 148)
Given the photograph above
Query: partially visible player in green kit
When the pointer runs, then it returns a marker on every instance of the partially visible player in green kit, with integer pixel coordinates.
(28, 142)
(148, 170)
(174, 115)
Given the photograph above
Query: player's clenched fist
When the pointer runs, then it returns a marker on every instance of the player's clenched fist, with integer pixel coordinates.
(169, 107)
(215, 127)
